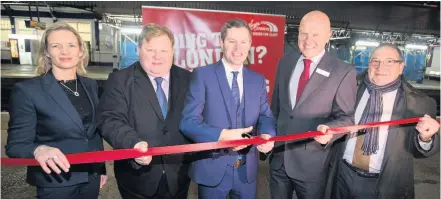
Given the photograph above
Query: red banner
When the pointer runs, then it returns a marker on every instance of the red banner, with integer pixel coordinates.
(198, 34)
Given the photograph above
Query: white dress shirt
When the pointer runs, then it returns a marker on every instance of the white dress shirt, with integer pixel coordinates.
(376, 160)
(295, 77)
(165, 83)
(229, 72)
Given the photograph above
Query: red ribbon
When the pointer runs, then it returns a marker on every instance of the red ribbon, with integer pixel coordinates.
(111, 155)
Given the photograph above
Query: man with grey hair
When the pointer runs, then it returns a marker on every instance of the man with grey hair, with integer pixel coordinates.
(227, 101)
(378, 162)
(141, 107)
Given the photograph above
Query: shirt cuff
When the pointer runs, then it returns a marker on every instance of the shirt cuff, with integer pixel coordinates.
(424, 145)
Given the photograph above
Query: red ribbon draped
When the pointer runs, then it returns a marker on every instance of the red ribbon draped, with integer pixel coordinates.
(111, 155)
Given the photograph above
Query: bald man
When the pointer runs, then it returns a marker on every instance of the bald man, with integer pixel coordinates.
(313, 91)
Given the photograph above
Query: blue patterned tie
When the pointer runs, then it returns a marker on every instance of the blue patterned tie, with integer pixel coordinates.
(235, 90)
(161, 96)
(236, 95)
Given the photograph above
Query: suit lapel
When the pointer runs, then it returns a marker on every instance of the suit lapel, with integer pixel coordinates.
(248, 91)
(393, 135)
(225, 89)
(60, 97)
(315, 79)
(91, 99)
(287, 77)
(360, 92)
(174, 88)
(174, 82)
(147, 91)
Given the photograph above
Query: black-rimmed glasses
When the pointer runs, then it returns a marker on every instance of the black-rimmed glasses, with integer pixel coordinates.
(388, 62)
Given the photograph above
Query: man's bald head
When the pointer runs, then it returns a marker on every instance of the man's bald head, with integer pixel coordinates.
(314, 33)
(317, 17)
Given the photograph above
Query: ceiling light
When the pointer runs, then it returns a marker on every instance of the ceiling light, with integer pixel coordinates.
(367, 43)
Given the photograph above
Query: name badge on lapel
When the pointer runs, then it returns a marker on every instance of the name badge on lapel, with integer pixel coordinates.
(322, 72)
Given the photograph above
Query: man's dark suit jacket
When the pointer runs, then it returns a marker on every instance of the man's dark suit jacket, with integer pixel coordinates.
(396, 177)
(129, 113)
(325, 100)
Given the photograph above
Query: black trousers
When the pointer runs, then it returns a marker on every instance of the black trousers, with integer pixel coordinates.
(86, 190)
(282, 186)
(348, 184)
(161, 193)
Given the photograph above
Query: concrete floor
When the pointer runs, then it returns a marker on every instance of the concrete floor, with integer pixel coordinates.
(13, 185)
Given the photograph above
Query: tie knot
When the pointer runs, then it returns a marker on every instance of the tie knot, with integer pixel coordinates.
(159, 80)
(307, 62)
(235, 74)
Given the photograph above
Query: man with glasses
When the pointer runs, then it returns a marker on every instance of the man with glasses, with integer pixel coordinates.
(378, 162)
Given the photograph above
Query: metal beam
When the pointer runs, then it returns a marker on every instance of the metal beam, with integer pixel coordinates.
(97, 35)
(38, 13)
(7, 9)
(58, 14)
(51, 11)
(11, 18)
(75, 4)
(361, 15)
(340, 34)
(30, 11)
(392, 16)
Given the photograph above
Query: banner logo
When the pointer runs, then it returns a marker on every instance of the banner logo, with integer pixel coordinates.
(263, 28)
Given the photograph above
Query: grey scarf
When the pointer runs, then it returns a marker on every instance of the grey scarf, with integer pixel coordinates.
(373, 112)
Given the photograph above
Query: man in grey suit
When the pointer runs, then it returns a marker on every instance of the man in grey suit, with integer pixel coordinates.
(313, 91)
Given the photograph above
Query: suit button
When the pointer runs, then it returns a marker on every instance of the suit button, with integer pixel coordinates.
(215, 154)
(291, 117)
(86, 140)
(163, 171)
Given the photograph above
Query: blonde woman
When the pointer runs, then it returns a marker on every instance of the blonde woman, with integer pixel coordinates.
(53, 114)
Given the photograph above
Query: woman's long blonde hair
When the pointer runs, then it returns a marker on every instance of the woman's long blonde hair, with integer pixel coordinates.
(44, 63)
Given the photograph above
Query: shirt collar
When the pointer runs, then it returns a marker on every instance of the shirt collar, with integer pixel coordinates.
(315, 59)
(228, 69)
(166, 77)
